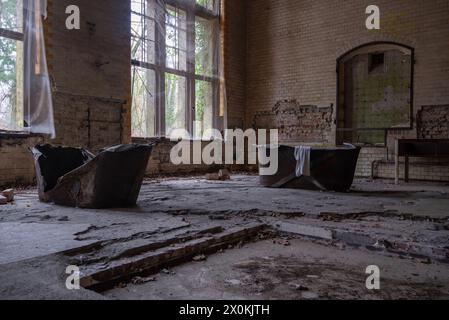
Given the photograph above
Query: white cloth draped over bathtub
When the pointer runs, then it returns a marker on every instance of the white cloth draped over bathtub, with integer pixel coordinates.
(302, 156)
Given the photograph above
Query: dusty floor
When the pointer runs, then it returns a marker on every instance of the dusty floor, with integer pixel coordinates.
(302, 270)
(301, 244)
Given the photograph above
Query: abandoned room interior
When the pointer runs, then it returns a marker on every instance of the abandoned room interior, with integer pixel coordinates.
(224, 149)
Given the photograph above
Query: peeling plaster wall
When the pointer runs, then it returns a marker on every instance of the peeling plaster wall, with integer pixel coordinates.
(297, 123)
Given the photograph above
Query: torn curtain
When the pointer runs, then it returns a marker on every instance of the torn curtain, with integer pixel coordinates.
(38, 105)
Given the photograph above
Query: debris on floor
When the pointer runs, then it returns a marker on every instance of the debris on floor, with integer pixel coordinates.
(200, 257)
(283, 242)
(221, 175)
(212, 176)
(299, 287)
(6, 196)
(268, 245)
(224, 174)
(142, 280)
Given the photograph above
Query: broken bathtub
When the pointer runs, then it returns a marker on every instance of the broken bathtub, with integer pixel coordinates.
(331, 169)
(74, 177)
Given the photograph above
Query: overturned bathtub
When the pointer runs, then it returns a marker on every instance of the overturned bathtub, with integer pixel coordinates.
(75, 177)
(313, 168)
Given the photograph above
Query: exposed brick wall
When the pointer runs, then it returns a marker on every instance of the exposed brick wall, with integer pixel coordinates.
(92, 122)
(275, 50)
(90, 70)
(160, 163)
(367, 158)
(373, 162)
(293, 47)
(16, 161)
(433, 122)
(296, 123)
(419, 170)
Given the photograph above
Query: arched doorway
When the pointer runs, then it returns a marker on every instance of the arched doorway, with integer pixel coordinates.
(375, 92)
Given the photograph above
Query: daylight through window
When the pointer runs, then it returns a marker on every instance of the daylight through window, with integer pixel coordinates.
(11, 65)
(175, 49)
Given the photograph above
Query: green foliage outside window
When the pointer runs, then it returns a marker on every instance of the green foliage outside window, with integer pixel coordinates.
(11, 109)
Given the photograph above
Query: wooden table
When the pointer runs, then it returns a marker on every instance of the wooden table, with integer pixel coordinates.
(418, 148)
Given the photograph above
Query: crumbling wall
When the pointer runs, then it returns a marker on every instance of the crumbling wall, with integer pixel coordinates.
(297, 123)
(433, 122)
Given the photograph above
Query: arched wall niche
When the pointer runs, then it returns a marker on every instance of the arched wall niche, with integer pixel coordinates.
(374, 92)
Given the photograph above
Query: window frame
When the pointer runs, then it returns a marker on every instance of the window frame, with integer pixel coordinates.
(160, 67)
(17, 36)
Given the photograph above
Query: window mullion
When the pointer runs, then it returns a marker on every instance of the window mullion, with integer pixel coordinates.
(13, 35)
(160, 73)
(216, 76)
(190, 108)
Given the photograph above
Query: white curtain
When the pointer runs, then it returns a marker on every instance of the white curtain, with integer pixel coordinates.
(38, 105)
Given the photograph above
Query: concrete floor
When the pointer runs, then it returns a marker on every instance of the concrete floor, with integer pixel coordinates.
(402, 229)
(303, 270)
